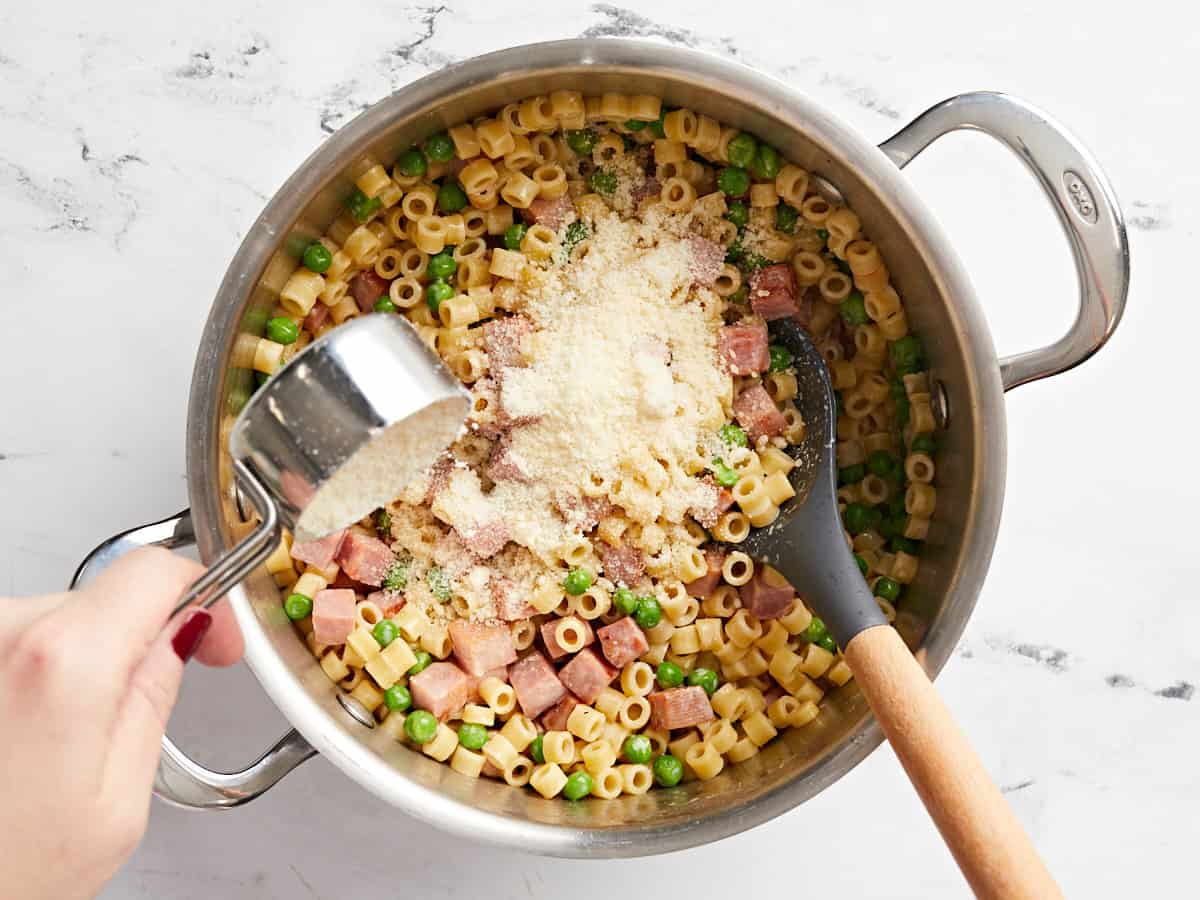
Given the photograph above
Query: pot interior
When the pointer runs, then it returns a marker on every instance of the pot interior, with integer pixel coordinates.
(940, 307)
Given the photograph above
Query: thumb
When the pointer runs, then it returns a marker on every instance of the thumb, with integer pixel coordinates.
(134, 749)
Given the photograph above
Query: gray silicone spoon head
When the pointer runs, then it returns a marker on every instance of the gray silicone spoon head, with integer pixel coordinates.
(807, 543)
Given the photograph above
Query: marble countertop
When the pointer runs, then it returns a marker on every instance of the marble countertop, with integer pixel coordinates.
(138, 143)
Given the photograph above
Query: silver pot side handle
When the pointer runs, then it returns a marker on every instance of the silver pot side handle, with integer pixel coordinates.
(180, 780)
(1081, 196)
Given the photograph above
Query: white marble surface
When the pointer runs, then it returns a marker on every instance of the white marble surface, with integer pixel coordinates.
(137, 144)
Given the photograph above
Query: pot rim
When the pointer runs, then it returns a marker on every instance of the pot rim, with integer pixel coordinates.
(777, 99)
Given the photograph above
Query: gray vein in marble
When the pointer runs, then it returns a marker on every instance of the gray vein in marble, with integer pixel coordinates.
(1119, 681)
(56, 197)
(1148, 216)
(620, 22)
(304, 881)
(1019, 786)
(1051, 657)
(1180, 690)
(864, 96)
(427, 17)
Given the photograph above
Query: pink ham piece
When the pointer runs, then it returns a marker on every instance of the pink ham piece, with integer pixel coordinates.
(744, 348)
(705, 260)
(756, 412)
(556, 719)
(510, 605)
(767, 595)
(720, 500)
(479, 648)
(485, 540)
(316, 318)
(366, 288)
(773, 292)
(680, 707)
(333, 615)
(505, 465)
(502, 341)
(550, 629)
(536, 685)
(622, 641)
(647, 188)
(804, 312)
(623, 564)
(365, 558)
(442, 688)
(551, 213)
(439, 476)
(584, 513)
(707, 583)
(586, 675)
(320, 553)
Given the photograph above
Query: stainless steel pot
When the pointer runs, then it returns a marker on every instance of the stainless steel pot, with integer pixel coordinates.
(942, 308)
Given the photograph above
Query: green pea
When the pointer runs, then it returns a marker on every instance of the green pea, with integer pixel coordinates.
(472, 736)
(816, 629)
(648, 612)
(385, 631)
(888, 529)
(823, 234)
(317, 257)
(733, 435)
(436, 293)
(423, 662)
(705, 678)
(361, 206)
(895, 505)
(536, 753)
(854, 309)
(442, 265)
(781, 358)
(786, 218)
(901, 544)
(578, 581)
(903, 407)
(740, 295)
(439, 147)
(766, 163)
(396, 578)
(887, 588)
(852, 474)
(923, 443)
(397, 698)
(635, 124)
(668, 771)
(861, 563)
(638, 749)
(669, 675)
(625, 600)
(738, 214)
(603, 182)
(827, 642)
(578, 786)
(297, 607)
(724, 475)
(906, 354)
(260, 378)
(576, 232)
(420, 726)
(842, 266)
(857, 518)
(513, 235)
(451, 197)
(412, 163)
(282, 330)
(582, 141)
(881, 463)
(741, 150)
(734, 181)
(385, 305)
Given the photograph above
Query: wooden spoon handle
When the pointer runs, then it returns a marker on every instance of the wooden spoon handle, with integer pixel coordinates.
(975, 820)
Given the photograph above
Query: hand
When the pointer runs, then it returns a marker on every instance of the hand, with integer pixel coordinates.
(87, 683)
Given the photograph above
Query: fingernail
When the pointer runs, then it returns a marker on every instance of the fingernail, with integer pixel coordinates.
(187, 639)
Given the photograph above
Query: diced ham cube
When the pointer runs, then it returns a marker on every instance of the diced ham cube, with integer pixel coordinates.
(744, 348)
(647, 188)
(623, 564)
(509, 600)
(680, 707)
(316, 318)
(552, 213)
(441, 688)
(333, 615)
(584, 513)
(804, 312)
(556, 718)
(718, 500)
(485, 540)
(505, 465)
(343, 582)
(365, 558)
(773, 292)
(767, 595)
(479, 648)
(705, 260)
(536, 684)
(756, 412)
(586, 675)
(707, 583)
(319, 553)
(366, 288)
(622, 641)
(391, 603)
(439, 476)
(550, 631)
(502, 341)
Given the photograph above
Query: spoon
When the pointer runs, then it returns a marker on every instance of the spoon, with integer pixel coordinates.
(807, 544)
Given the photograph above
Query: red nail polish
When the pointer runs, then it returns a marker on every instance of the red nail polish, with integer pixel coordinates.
(187, 639)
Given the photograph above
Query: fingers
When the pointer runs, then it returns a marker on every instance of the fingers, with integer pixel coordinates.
(223, 644)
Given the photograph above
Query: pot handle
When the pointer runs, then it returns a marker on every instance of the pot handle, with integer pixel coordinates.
(181, 780)
(1080, 195)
